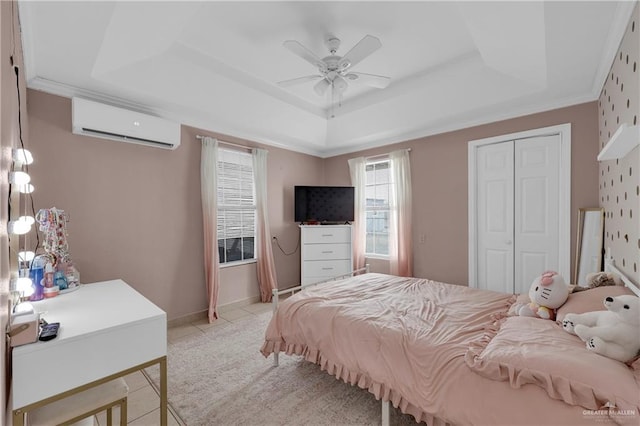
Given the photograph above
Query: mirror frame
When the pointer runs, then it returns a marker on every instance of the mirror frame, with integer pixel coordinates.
(582, 212)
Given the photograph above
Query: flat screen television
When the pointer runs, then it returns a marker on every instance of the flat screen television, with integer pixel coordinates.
(325, 204)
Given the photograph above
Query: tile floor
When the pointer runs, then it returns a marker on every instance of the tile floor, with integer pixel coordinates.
(144, 404)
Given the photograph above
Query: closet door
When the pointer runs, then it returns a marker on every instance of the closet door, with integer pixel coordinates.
(537, 224)
(494, 180)
(519, 208)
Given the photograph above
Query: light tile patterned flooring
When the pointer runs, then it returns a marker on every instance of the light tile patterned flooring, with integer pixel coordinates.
(144, 404)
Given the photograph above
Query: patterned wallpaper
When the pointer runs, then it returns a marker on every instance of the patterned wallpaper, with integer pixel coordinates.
(620, 179)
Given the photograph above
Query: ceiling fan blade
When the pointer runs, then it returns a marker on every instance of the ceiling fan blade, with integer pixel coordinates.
(378, 81)
(304, 53)
(361, 50)
(299, 80)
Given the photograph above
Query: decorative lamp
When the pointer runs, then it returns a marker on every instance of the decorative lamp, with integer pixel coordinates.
(26, 256)
(19, 178)
(18, 227)
(29, 219)
(26, 189)
(24, 286)
(21, 156)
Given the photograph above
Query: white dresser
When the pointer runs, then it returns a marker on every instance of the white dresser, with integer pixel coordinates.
(326, 252)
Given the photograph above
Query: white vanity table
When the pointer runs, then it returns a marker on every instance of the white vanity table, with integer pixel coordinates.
(107, 330)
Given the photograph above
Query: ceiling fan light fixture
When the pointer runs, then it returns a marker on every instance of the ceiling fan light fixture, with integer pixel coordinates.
(340, 84)
(321, 87)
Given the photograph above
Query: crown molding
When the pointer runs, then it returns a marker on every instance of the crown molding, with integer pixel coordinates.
(289, 144)
(25, 18)
(511, 113)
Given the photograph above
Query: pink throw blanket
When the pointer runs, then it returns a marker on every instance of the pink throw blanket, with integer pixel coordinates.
(405, 340)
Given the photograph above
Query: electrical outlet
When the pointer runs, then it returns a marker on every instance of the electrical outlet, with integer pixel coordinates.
(422, 239)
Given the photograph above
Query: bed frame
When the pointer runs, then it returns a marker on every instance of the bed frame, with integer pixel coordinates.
(290, 291)
(608, 267)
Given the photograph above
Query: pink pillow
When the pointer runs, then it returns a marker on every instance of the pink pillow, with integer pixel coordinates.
(526, 351)
(589, 300)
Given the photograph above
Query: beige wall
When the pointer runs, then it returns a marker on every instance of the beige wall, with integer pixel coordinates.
(439, 177)
(620, 179)
(136, 212)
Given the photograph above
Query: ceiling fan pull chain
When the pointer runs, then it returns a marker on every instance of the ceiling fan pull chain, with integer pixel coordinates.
(332, 112)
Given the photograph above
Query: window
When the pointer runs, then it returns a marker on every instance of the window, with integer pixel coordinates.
(236, 207)
(377, 192)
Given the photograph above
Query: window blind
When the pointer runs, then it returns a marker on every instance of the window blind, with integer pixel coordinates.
(377, 190)
(236, 206)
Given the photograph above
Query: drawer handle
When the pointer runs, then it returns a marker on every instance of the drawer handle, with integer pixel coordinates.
(328, 251)
(327, 269)
(327, 235)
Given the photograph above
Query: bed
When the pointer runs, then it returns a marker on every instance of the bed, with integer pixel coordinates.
(449, 354)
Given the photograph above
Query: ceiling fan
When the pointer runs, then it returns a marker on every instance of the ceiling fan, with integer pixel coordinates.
(335, 71)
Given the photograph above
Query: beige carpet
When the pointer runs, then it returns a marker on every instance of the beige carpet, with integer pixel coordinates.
(220, 378)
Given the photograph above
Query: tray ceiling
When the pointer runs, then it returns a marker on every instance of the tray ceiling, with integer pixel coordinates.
(215, 65)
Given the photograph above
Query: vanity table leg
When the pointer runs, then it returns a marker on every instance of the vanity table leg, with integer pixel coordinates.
(163, 391)
(18, 418)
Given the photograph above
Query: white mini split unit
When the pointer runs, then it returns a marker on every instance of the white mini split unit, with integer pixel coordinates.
(109, 122)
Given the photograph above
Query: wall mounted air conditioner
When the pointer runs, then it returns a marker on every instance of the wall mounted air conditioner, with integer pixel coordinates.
(105, 121)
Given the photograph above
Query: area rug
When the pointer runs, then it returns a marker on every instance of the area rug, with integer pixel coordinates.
(219, 377)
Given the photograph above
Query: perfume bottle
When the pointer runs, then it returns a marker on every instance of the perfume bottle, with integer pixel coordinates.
(36, 273)
(48, 275)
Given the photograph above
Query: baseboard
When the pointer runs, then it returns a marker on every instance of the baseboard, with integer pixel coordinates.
(187, 319)
(238, 304)
(196, 316)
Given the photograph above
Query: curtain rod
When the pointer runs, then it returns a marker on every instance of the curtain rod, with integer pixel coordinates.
(249, 148)
(382, 155)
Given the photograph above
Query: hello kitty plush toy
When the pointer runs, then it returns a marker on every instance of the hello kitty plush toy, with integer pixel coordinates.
(547, 293)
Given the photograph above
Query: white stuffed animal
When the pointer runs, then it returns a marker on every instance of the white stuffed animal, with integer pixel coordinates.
(614, 333)
(547, 293)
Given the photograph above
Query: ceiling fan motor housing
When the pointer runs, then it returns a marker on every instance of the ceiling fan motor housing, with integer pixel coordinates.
(332, 63)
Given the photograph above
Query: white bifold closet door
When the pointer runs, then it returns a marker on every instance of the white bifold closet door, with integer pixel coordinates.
(517, 212)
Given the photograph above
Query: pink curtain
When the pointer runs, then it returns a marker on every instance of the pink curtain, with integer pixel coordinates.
(400, 243)
(357, 167)
(209, 190)
(266, 267)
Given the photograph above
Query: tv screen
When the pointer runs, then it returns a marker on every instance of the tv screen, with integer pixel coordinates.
(324, 203)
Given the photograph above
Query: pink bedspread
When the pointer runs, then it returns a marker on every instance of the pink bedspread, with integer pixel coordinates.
(405, 340)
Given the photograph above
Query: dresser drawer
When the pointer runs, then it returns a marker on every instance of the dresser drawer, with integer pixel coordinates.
(326, 268)
(327, 234)
(326, 251)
